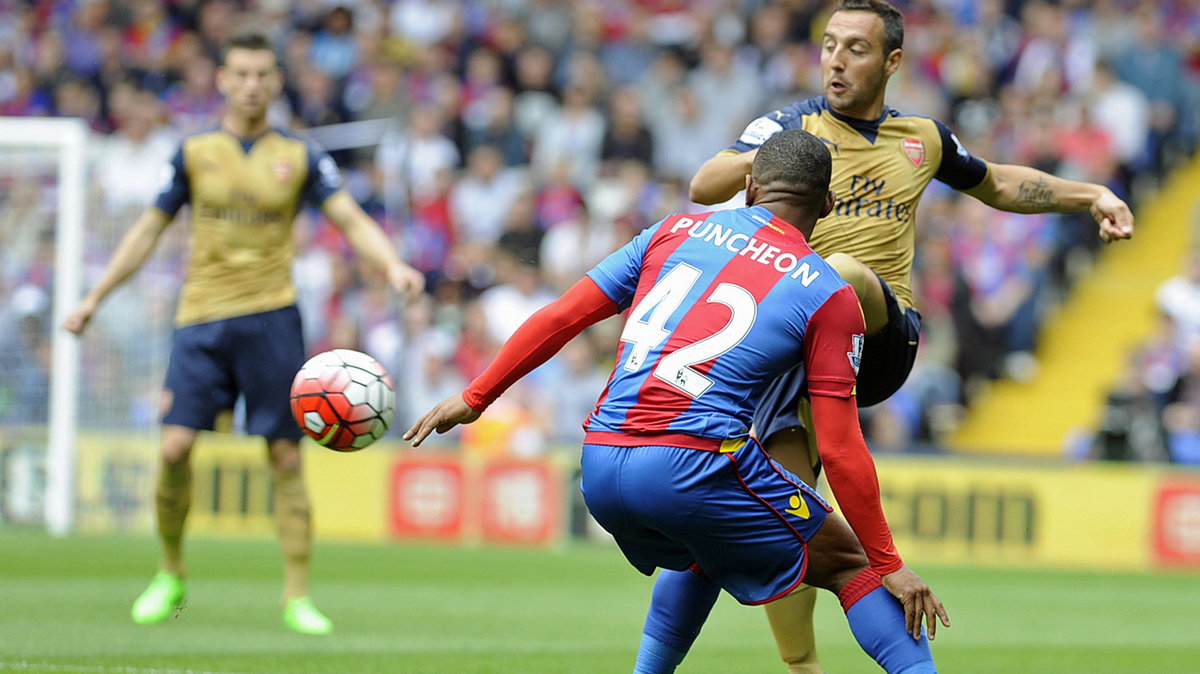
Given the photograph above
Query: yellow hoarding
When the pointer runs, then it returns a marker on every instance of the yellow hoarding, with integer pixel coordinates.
(231, 492)
(946, 510)
(1103, 516)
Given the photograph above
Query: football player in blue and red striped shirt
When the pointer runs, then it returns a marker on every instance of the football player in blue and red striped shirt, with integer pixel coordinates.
(720, 304)
(883, 160)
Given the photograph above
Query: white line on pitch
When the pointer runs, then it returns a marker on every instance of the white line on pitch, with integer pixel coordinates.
(24, 666)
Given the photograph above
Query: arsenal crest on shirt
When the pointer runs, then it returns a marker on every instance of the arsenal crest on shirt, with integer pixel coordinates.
(914, 149)
(283, 170)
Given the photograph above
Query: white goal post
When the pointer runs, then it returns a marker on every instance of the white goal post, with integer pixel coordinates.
(79, 445)
(68, 139)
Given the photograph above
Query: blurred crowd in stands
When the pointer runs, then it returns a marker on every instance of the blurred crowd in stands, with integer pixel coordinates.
(508, 145)
(1153, 413)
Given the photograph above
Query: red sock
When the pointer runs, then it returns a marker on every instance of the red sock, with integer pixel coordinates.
(860, 586)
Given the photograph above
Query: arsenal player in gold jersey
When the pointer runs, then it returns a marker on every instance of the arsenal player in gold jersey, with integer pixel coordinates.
(882, 162)
(237, 328)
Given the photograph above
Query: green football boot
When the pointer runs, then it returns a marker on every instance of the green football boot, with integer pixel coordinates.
(162, 599)
(300, 615)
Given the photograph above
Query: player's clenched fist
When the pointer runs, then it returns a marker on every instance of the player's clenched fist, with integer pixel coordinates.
(78, 321)
(406, 281)
(1113, 216)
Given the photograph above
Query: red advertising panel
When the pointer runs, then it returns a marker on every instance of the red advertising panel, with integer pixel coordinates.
(427, 498)
(521, 502)
(1177, 524)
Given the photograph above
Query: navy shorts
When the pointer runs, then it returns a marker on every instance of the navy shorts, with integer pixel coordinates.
(254, 356)
(887, 358)
(738, 516)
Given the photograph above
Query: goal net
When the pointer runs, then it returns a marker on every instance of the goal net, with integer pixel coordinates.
(78, 416)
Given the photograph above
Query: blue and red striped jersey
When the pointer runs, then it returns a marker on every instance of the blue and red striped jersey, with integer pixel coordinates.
(719, 305)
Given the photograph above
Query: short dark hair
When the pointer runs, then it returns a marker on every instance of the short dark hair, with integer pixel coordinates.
(893, 20)
(251, 40)
(796, 162)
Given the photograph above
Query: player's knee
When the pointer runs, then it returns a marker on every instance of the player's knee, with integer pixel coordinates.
(845, 575)
(867, 286)
(835, 556)
(175, 456)
(850, 269)
(827, 577)
(284, 456)
(835, 571)
(177, 443)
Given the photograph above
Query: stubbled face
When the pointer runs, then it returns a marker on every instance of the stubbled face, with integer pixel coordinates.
(854, 67)
(250, 80)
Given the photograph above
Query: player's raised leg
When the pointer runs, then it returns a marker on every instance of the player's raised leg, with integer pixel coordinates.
(866, 285)
(293, 522)
(791, 618)
(172, 500)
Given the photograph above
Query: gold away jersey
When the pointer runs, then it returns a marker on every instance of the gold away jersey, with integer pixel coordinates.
(244, 196)
(880, 169)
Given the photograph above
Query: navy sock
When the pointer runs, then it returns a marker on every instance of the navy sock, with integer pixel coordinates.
(679, 605)
(877, 621)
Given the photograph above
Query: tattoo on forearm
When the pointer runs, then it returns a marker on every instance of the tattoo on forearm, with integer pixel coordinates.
(1036, 195)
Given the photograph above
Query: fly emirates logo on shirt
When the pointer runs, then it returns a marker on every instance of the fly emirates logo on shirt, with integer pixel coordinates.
(743, 244)
(866, 200)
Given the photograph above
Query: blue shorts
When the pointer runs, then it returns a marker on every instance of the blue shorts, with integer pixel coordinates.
(887, 358)
(739, 517)
(255, 356)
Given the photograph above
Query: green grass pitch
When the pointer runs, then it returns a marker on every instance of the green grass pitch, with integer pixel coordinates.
(64, 607)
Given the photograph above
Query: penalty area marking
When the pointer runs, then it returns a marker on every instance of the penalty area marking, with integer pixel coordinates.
(25, 666)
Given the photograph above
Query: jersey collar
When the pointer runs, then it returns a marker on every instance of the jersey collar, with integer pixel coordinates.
(247, 144)
(776, 227)
(868, 128)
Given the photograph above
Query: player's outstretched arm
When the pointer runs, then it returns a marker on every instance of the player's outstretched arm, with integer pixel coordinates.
(1021, 189)
(449, 413)
(370, 242)
(133, 251)
(721, 177)
(537, 339)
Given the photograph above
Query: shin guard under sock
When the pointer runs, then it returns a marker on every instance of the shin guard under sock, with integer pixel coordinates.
(877, 621)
